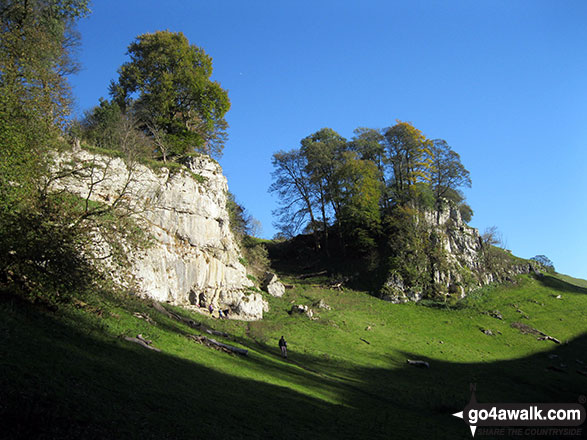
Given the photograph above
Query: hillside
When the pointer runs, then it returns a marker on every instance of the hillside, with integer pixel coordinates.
(69, 373)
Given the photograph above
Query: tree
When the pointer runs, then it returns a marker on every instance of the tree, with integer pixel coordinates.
(323, 151)
(369, 143)
(167, 80)
(291, 183)
(360, 190)
(544, 261)
(37, 38)
(447, 172)
(408, 153)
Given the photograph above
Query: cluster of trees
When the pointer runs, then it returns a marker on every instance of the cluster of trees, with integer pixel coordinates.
(354, 187)
(367, 196)
(163, 104)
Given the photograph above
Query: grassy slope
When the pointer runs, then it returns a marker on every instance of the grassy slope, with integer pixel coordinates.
(69, 374)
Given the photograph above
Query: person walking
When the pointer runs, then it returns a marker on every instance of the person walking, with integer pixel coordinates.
(283, 347)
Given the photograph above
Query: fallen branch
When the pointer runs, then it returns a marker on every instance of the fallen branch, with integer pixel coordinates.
(193, 324)
(310, 275)
(365, 341)
(141, 341)
(236, 350)
(526, 329)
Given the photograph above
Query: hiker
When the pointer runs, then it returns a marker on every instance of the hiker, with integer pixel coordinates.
(220, 314)
(283, 346)
(210, 309)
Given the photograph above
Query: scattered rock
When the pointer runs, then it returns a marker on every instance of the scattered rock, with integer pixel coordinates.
(322, 305)
(300, 308)
(559, 297)
(487, 331)
(552, 356)
(579, 361)
(368, 328)
(557, 369)
(496, 314)
(272, 285)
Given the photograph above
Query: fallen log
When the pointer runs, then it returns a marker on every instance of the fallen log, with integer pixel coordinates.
(417, 363)
(216, 333)
(549, 338)
(218, 345)
(365, 341)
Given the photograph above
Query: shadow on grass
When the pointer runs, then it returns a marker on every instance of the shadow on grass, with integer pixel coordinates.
(57, 382)
(558, 284)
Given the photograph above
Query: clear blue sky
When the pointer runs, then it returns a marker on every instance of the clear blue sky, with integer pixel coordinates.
(504, 82)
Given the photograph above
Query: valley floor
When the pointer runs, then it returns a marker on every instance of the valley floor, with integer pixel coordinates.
(70, 373)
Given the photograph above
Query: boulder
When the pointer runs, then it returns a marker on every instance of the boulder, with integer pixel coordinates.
(272, 285)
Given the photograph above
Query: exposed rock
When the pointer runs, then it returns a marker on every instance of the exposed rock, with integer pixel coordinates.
(496, 314)
(272, 285)
(300, 308)
(465, 266)
(194, 258)
(322, 305)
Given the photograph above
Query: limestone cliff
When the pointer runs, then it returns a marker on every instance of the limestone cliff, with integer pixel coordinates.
(193, 258)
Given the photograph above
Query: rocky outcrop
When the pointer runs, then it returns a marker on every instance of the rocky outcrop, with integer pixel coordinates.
(193, 258)
(468, 263)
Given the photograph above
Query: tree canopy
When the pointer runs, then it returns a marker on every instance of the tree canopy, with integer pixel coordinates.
(36, 42)
(167, 83)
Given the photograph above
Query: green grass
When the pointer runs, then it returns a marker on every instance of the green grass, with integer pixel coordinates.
(70, 374)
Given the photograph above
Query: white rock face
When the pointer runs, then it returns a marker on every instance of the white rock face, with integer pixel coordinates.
(194, 259)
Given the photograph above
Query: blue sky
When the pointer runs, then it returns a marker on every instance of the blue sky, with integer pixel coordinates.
(503, 82)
